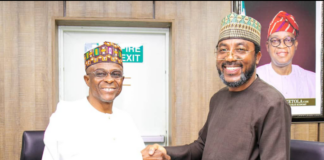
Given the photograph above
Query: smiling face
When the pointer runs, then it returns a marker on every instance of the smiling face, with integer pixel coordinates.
(238, 66)
(104, 89)
(281, 55)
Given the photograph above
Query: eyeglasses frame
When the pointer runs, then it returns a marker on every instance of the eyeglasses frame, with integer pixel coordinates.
(293, 41)
(108, 73)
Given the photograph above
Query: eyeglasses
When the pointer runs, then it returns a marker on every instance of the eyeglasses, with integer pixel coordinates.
(275, 42)
(237, 53)
(103, 74)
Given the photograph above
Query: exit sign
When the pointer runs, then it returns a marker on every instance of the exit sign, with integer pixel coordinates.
(132, 54)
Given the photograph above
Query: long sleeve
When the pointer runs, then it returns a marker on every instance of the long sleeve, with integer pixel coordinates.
(274, 135)
(50, 139)
(136, 141)
(193, 151)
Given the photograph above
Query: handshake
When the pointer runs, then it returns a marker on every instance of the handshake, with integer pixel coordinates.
(155, 152)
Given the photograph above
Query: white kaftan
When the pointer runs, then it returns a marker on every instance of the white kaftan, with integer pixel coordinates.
(300, 83)
(77, 131)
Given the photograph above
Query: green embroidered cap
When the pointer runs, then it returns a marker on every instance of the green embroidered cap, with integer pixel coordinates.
(240, 26)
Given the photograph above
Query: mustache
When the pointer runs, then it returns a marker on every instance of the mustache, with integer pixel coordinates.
(232, 63)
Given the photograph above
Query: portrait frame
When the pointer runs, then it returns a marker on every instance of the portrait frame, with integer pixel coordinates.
(239, 7)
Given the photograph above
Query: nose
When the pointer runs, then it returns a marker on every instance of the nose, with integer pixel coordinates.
(282, 44)
(230, 57)
(109, 79)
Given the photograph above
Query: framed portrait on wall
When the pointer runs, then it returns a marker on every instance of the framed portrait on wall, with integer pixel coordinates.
(292, 63)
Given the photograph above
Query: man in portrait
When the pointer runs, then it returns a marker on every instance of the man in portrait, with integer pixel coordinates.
(91, 128)
(290, 79)
(248, 119)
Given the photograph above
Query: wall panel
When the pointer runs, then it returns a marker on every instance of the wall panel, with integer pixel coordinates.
(321, 132)
(118, 9)
(2, 85)
(194, 75)
(26, 71)
(10, 77)
(304, 131)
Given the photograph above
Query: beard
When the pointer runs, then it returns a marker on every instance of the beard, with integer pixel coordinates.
(245, 76)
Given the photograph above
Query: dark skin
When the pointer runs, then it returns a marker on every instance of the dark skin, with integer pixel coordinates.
(103, 91)
(158, 151)
(231, 73)
(282, 56)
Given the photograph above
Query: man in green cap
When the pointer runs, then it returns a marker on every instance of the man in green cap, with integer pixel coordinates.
(248, 119)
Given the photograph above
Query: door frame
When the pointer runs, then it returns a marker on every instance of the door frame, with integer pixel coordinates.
(114, 22)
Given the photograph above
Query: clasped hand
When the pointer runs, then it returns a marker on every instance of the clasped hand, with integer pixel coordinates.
(155, 152)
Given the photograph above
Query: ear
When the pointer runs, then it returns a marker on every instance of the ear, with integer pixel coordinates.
(267, 45)
(296, 44)
(86, 80)
(258, 57)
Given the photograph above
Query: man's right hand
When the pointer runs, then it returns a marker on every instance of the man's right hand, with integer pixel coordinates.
(155, 152)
